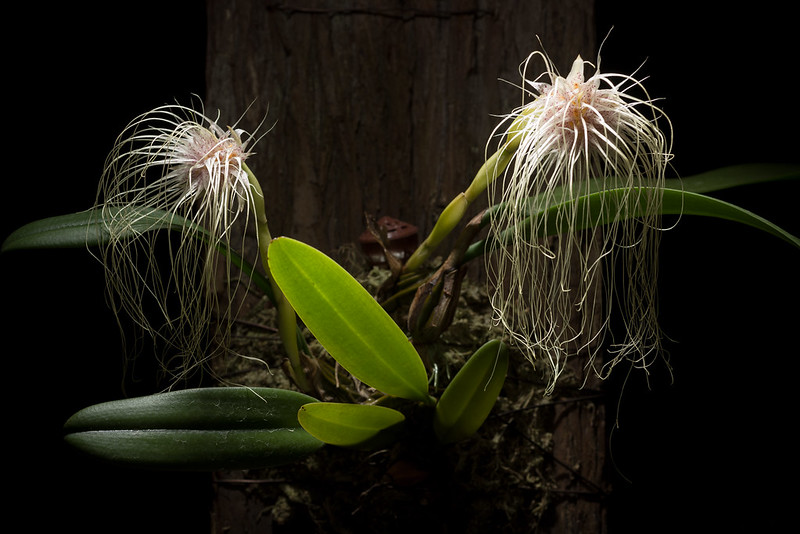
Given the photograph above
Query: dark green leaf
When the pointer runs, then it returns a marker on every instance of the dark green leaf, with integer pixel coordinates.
(735, 176)
(607, 205)
(89, 228)
(85, 228)
(470, 397)
(196, 429)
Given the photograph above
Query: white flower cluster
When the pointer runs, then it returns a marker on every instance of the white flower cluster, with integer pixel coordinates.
(554, 294)
(178, 161)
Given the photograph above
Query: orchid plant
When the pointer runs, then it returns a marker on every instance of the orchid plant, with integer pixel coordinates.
(576, 189)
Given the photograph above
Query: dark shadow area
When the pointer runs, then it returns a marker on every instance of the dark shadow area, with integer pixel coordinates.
(709, 450)
(91, 72)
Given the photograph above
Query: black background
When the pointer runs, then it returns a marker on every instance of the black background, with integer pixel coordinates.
(77, 75)
(712, 450)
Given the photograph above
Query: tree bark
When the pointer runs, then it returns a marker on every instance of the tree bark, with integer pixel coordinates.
(385, 108)
(378, 107)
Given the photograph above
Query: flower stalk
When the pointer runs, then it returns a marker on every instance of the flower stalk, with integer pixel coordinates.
(287, 318)
(454, 212)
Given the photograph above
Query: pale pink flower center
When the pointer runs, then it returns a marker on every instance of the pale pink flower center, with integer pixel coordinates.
(572, 107)
(210, 158)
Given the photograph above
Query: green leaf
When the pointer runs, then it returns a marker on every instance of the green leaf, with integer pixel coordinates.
(88, 228)
(607, 205)
(360, 426)
(196, 429)
(697, 204)
(347, 321)
(471, 395)
(85, 228)
(735, 176)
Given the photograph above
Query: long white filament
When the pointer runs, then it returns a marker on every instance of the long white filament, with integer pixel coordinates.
(175, 159)
(555, 296)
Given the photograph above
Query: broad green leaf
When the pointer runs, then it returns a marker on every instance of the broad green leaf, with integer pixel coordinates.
(347, 321)
(734, 176)
(196, 429)
(714, 180)
(85, 228)
(360, 426)
(471, 395)
(88, 228)
(606, 205)
(697, 204)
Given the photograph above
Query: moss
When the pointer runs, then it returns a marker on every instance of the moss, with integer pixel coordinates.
(501, 476)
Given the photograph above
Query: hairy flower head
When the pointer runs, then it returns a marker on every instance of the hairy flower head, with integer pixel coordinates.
(555, 295)
(178, 161)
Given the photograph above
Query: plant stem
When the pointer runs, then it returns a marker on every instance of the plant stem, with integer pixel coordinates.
(454, 212)
(287, 318)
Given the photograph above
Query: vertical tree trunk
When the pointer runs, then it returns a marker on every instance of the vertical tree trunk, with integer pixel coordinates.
(385, 108)
(579, 444)
(382, 107)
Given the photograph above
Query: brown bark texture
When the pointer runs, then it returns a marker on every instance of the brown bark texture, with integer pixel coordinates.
(378, 107)
(385, 108)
